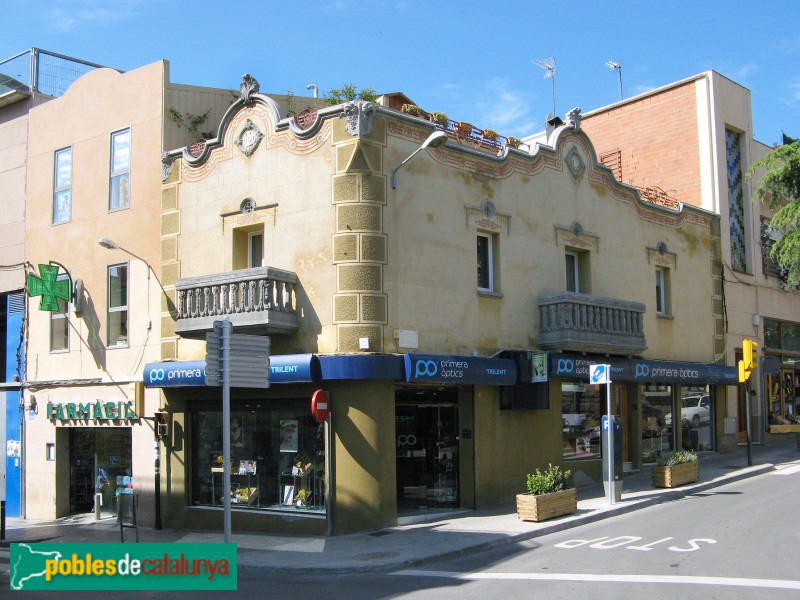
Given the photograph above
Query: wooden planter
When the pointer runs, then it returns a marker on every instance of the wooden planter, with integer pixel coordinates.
(676, 475)
(546, 506)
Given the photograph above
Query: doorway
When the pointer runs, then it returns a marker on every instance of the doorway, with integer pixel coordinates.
(427, 448)
(100, 464)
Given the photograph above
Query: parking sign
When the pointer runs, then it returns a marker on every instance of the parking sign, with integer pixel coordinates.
(599, 374)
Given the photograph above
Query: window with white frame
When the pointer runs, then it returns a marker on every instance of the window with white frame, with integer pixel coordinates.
(255, 249)
(59, 326)
(485, 262)
(573, 280)
(662, 291)
(120, 184)
(117, 317)
(62, 186)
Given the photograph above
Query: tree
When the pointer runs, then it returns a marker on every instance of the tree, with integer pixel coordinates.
(780, 187)
(349, 92)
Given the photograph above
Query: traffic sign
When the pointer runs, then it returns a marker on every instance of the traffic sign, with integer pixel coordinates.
(248, 359)
(320, 405)
(599, 374)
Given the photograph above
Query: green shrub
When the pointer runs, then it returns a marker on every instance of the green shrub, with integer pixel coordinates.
(551, 480)
(669, 459)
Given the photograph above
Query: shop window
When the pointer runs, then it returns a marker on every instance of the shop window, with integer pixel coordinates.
(117, 317)
(697, 419)
(486, 262)
(120, 180)
(784, 395)
(663, 303)
(582, 408)
(656, 421)
(277, 458)
(59, 326)
(62, 186)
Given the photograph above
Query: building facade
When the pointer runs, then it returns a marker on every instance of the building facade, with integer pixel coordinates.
(692, 142)
(447, 303)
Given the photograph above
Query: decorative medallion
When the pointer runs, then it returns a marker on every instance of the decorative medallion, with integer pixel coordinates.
(577, 229)
(359, 117)
(249, 138)
(662, 248)
(488, 208)
(248, 206)
(575, 162)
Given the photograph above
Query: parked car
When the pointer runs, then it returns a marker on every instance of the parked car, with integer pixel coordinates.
(652, 418)
(695, 410)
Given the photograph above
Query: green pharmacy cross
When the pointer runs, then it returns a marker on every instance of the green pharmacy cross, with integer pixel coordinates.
(50, 287)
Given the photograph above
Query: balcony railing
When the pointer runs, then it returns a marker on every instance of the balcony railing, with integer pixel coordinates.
(585, 323)
(259, 301)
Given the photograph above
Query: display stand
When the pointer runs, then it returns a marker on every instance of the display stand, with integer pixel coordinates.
(126, 514)
(244, 484)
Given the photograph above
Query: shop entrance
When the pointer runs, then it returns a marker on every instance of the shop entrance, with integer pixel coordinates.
(100, 463)
(427, 448)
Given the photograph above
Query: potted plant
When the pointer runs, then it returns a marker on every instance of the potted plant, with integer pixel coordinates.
(548, 496)
(412, 109)
(490, 134)
(439, 118)
(463, 128)
(514, 142)
(676, 468)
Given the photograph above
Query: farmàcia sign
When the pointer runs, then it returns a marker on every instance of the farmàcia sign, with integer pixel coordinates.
(91, 411)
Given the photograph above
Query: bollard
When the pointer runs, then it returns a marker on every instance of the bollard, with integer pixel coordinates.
(98, 502)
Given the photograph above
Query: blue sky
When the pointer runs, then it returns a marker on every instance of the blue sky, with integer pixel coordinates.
(472, 60)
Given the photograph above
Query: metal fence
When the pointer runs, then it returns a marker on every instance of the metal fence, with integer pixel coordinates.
(42, 72)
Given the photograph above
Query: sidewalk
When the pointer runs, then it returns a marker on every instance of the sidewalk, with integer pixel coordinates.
(439, 536)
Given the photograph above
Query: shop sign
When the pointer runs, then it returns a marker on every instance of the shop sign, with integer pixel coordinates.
(467, 370)
(91, 411)
(175, 374)
(572, 366)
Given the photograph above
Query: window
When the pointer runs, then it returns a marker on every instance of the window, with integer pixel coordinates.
(62, 186)
(120, 170)
(485, 263)
(736, 202)
(118, 305)
(573, 272)
(255, 250)
(662, 292)
(277, 456)
(59, 326)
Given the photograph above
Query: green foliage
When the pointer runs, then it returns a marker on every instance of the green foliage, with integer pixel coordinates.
(669, 459)
(440, 118)
(190, 121)
(551, 480)
(514, 142)
(780, 186)
(349, 92)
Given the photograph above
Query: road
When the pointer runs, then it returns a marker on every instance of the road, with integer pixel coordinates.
(735, 541)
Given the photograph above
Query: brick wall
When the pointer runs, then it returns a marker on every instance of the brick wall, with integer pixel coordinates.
(658, 141)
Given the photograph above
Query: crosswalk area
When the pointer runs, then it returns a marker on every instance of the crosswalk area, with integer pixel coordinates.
(787, 468)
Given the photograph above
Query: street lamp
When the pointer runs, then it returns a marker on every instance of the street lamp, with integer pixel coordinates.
(110, 244)
(434, 140)
(614, 65)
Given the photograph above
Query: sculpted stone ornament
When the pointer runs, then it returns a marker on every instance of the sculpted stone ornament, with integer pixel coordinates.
(359, 117)
(249, 138)
(248, 87)
(574, 118)
(166, 165)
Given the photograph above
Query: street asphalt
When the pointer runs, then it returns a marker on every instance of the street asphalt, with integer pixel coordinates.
(419, 539)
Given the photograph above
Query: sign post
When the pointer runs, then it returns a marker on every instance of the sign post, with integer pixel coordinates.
(250, 368)
(598, 375)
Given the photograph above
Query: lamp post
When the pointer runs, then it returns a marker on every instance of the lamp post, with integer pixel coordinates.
(110, 244)
(434, 140)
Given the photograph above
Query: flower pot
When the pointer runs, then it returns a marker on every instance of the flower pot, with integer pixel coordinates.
(547, 506)
(675, 475)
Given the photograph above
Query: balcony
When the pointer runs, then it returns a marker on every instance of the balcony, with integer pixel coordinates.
(582, 323)
(259, 301)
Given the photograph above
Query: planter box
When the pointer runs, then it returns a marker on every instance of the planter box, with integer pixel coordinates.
(547, 506)
(676, 475)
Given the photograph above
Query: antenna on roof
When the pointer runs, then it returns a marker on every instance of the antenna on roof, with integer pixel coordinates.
(549, 66)
(612, 64)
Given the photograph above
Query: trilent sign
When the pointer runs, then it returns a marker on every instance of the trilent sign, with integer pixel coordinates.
(91, 411)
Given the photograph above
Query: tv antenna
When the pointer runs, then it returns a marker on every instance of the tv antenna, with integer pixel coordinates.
(549, 66)
(614, 65)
